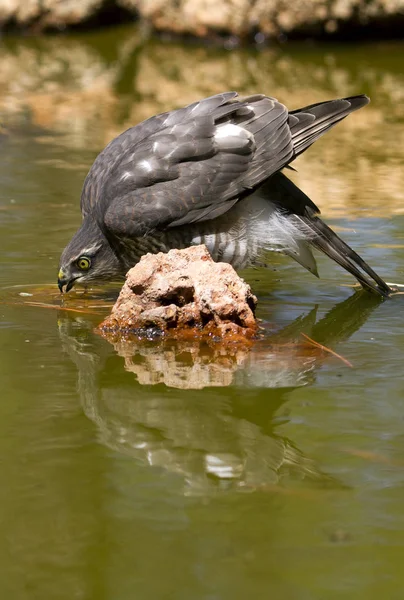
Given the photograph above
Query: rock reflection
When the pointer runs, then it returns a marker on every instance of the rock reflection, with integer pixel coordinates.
(196, 365)
(279, 360)
(215, 439)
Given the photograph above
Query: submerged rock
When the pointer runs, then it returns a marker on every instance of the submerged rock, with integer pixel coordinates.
(182, 293)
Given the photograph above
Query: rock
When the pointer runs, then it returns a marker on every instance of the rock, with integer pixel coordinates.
(184, 292)
(202, 18)
(242, 18)
(47, 13)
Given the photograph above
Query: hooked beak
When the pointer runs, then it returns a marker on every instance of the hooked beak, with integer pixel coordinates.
(63, 281)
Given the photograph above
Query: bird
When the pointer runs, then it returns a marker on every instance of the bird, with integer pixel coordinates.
(209, 173)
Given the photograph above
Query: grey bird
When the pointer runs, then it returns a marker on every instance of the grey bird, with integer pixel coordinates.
(208, 173)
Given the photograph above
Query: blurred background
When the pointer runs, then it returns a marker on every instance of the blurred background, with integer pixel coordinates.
(160, 470)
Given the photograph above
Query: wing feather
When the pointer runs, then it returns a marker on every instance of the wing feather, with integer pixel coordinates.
(195, 163)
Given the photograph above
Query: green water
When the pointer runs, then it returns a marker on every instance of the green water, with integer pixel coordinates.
(182, 473)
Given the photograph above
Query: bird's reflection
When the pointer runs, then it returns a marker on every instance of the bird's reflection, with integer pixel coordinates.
(214, 438)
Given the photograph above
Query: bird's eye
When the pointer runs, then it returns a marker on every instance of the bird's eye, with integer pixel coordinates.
(83, 263)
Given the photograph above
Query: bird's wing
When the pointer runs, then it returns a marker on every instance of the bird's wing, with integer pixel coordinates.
(195, 163)
(109, 159)
(194, 166)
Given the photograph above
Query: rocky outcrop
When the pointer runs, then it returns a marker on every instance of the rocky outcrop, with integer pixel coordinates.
(268, 17)
(240, 18)
(184, 293)
(47, 13)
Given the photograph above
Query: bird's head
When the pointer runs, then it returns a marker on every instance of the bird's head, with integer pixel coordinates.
(88, 258)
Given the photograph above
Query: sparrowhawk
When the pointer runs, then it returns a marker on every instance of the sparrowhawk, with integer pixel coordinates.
(208, 173)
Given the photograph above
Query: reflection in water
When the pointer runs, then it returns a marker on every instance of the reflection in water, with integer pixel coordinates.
(213, 442)
(280, 361)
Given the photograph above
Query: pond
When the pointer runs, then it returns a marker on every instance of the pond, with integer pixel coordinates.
(183, 472)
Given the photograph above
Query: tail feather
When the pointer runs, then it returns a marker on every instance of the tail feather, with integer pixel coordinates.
(326, 240)
(309, 123)
(292, 201)
(303, 254)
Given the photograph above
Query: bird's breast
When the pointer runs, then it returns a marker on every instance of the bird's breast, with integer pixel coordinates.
(239, 237)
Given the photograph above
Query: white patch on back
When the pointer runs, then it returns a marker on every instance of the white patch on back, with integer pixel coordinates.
(233, 138)
(229, 130)
(145, 165)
